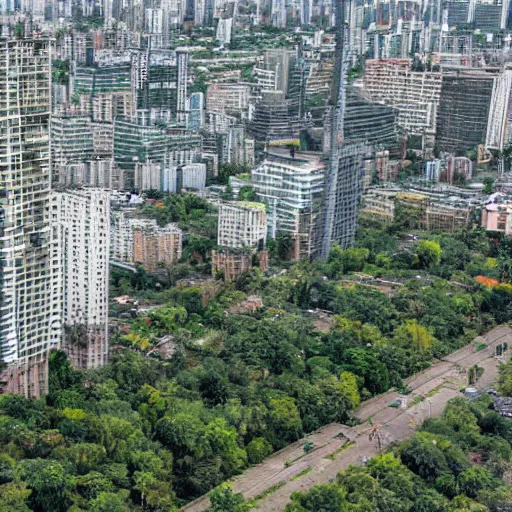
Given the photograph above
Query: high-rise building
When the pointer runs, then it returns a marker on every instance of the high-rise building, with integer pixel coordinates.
(227, 98)
(415, 94)
(342, 193)
(464, 110)
(195, 111)
(27, 328)
(71, 139)
(140, 140)
(80, 226)
(242, 224)
(292, 189)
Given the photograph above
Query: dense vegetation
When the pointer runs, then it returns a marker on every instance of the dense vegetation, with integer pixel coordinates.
(148, 431)
(457, 463)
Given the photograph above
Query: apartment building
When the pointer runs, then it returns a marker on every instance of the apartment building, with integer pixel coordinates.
(89, 173)
(498, 217)
(195, 111)
(27, 329)
(159, 80)
(291, 186)
(148, 176)
(464, 110)
(155, 246)
(242, 224)
(92, 80)
(170, 179)
(80, 227)
(227, 98)
(140, 140)
(71, 139)
(415, 94)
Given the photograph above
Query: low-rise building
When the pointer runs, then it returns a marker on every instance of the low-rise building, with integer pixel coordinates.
(497, 215)
(420, 211)
(231, 263)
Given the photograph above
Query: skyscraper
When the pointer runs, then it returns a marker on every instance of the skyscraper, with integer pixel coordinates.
(27, 329)
(344, 177)
(80, 226)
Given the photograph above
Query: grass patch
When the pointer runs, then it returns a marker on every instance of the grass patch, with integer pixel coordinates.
(269, 491)
(302, 473)
(416, 400)
(434, 391)
(332, 455)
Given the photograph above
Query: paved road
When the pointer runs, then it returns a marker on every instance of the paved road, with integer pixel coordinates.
(436, 385)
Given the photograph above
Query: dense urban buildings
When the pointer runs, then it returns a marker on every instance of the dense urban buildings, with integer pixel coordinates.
(154, 135)
(224, 224)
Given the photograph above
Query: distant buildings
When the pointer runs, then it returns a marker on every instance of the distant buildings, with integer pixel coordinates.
(157, 176)
(230, 99)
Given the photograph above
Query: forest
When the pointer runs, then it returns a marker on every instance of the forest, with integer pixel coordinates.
(149, 432)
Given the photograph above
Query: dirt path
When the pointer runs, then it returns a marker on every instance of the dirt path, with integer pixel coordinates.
(337, 446)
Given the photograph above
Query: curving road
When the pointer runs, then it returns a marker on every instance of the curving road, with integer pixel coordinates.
(338, 446)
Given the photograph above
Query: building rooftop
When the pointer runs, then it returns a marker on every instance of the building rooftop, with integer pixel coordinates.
(299, 159)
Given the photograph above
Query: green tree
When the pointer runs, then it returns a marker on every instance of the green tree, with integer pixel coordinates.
(223, 499)
(476, 479)
(258, 449)
(14, 497)
(48, 482)
(181, 433)
(110, 502)
(488, 185)
(422, 456)
(348, 387)
(412, 335)
(247, 193)
(285, 421)
(428, 253)
(321, 498)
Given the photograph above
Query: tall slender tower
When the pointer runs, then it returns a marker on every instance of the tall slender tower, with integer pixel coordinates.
(27, 329)
(343, 185)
